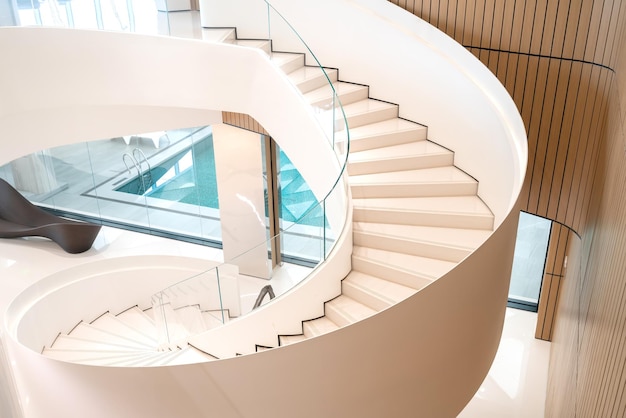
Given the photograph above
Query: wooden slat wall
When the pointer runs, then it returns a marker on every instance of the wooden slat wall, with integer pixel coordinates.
(243, 121)
(564, 64)
(561, 396)
(552, 277)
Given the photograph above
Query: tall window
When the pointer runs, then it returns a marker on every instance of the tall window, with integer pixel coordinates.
(533, 234)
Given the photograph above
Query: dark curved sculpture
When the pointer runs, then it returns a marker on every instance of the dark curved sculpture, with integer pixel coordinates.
(20, 218)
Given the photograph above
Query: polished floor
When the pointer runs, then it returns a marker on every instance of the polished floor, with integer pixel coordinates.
(516, 384)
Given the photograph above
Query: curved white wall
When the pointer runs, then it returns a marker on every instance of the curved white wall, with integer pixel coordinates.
(446, 88)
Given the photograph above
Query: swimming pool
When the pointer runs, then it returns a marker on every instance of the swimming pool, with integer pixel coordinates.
(189, 177)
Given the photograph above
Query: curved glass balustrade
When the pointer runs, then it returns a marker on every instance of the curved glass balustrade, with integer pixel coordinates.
(155, 183)
(212, 298)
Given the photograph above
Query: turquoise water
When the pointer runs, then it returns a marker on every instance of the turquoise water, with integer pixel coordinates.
(189, 177)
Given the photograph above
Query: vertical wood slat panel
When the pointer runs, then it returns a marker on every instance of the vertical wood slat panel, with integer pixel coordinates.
(561, 388)
(553, 274)
(243, 121)
(562, 130)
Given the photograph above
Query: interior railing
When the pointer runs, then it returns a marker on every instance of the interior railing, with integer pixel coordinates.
(211, 298)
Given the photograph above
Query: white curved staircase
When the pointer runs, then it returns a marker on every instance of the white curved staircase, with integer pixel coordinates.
(126, 339)
(415, 217)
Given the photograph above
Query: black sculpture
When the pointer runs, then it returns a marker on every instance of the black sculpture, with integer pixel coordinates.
(20, 218)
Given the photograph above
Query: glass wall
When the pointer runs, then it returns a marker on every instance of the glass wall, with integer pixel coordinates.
(161, 183)
(531, 247)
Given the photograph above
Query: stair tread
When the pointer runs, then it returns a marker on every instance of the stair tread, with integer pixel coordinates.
(101, 357)
(389, 292)
(454, 237)
(287, 61)
(307, 73)
(69, 342)
(445, 174)
(424, 266)
(387, 126)
(140, 359)
(225, 35)
(366, 106)
(318, 326)
(325, 93)
(291, 339)
(112, 323)
(262, 44)
(443, 204)
(344, 310)
(137, 318)
(416, 148)
(88, 331)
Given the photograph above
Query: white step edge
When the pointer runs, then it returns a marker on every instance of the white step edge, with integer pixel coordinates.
(373, 291)
(344, 311)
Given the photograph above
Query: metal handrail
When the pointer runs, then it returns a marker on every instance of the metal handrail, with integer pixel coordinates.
(265, 290)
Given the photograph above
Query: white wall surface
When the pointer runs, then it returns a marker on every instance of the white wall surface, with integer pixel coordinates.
(239, 171)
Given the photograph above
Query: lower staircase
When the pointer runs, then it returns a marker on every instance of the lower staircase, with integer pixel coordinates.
(416, 216)
(130, 339)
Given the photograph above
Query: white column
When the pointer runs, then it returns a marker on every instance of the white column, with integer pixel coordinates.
(239, 171)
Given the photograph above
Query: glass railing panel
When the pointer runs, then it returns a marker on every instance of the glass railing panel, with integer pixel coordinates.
(56, 178)
(195, 305)
(308, 230)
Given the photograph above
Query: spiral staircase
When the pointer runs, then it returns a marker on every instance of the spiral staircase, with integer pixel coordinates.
(411, 330)
(415, 217)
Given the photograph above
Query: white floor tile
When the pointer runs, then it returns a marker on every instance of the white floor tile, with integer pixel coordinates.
(516, 384)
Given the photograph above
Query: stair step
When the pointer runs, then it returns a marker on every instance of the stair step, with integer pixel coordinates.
(188, 355)
(367, 111)
(450, 244)
(287, 61)
(324, 97)
(90, 332)
(290, 339)
(225, 35)
(68, 342)
(407, 156)
(373, 291)
(447, 211)
(430, 267)
(345, 311)
(137, 360)
(439, 181)
(405, 269)
(318, 326)
(94, 357)
(138, 319)
(114, 324)
(159, 358)
(308, 78)
(388, 132)
(262, 44)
